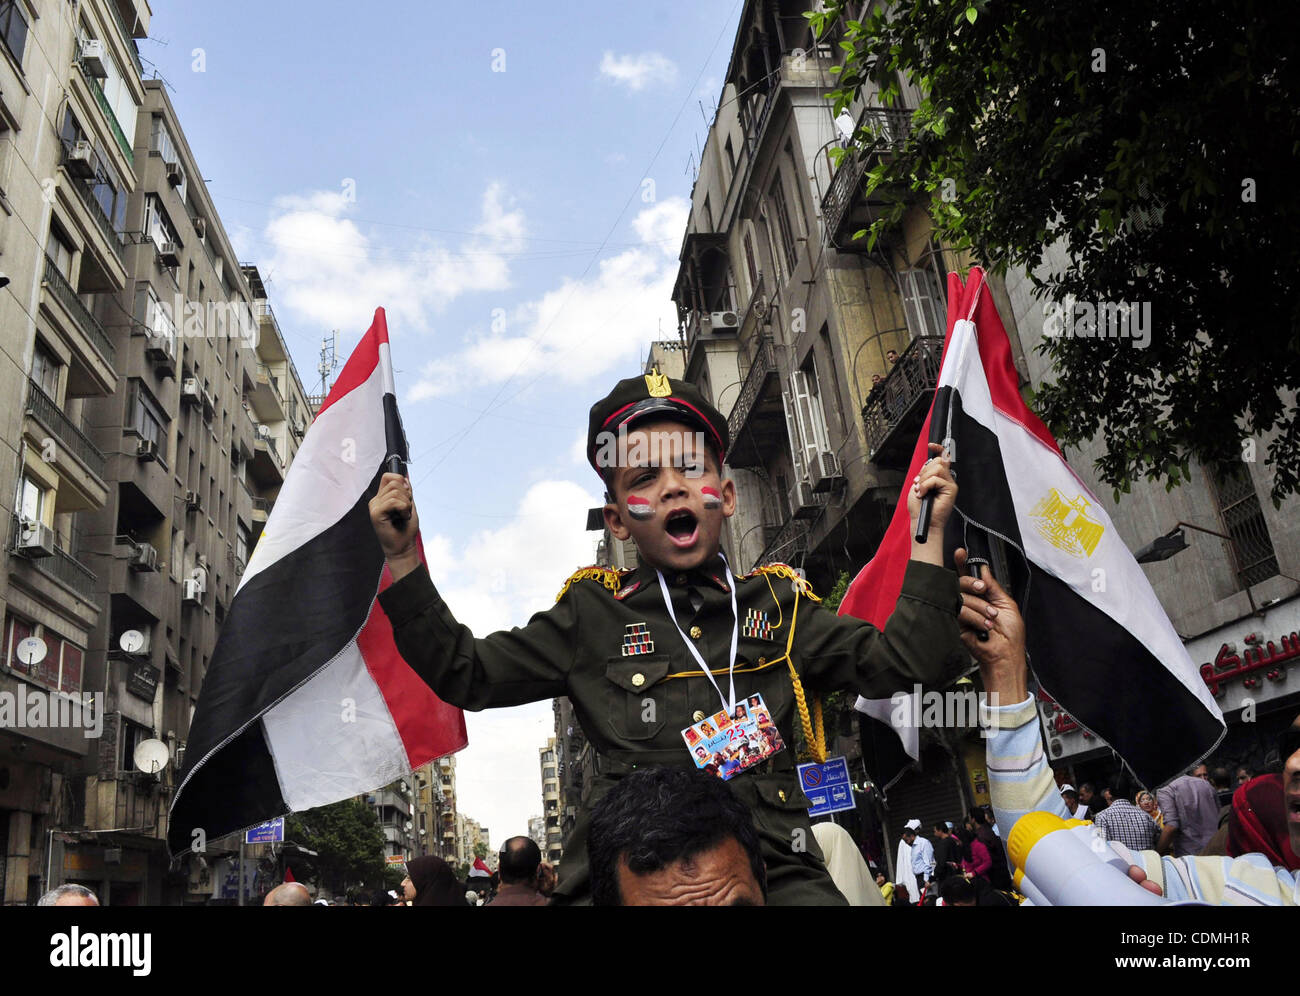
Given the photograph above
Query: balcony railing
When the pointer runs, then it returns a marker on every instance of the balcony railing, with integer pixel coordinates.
(64, 567)
(263, 505)
(126, 36)
(112, 235)
(123, 142)
(264, 371)
(891, 129)
(894, 398)
(788, 545)
(42, 407)
(88, 323)
(764, 365)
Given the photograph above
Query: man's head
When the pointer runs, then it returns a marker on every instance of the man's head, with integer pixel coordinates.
(671, 837)
(941, 828)
(1086, 793)
(518, 861)
(1289, 750)
(1071, 798)
(68, 895)
(1221, 779)
(659, 445)
(957, 891)
(891, 355)
(288, 894)
(910, 829)
(1244, 774)
(1200, 771)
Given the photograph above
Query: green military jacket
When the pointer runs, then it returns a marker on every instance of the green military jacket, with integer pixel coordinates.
(634, 705)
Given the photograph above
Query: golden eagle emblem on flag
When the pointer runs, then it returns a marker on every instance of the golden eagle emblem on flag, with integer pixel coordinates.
(1065, 524)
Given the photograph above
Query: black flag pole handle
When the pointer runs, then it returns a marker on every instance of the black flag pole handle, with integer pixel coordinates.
(938, 421)
(396, 465)
(978, 555)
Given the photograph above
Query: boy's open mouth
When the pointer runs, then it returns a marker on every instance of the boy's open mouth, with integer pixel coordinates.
(681, 527)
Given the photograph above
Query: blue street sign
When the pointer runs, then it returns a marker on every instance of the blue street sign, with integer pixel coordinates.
(266, 833)
(827, 786)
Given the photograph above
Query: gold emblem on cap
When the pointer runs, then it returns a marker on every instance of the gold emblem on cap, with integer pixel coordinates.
(657, 383)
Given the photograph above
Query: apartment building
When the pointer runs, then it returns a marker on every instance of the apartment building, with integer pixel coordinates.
(71, 98)
(551, 809)
(445, 828)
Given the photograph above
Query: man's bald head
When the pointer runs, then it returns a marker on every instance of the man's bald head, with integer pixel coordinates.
(289, 894)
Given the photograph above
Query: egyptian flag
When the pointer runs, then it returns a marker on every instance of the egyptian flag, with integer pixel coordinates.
(1100, 643)
(480, 869)
(306, 700)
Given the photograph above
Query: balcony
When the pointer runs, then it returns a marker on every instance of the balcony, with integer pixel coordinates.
(78, 461)
(264, 397)
(61, 566)
(266, 467)
(96, 229)
(92, 370)
(786, 544)
(106, 109)
(757, 420)
(846, 208)
(897, 406)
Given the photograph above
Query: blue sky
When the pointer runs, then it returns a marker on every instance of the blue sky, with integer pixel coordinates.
(367, 156)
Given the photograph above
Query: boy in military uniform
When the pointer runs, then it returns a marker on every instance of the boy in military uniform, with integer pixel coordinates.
(645, 654)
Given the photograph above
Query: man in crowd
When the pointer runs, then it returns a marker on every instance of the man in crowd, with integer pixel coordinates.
(1077, 810)
(922, 854)
(1191, 812)
(674, 837)
(947, 852)
(288, 894)
(518, 864)
(68, 895)
(1123, 821)
(1090, 800)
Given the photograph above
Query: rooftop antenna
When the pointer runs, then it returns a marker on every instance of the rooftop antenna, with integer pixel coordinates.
(329, 361)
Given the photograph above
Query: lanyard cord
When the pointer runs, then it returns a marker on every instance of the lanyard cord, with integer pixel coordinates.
(729, 706)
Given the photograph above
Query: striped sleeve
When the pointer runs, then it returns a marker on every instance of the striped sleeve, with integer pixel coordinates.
(1019, 779)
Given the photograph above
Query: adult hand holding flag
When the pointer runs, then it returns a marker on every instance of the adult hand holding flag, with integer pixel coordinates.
(306, 700)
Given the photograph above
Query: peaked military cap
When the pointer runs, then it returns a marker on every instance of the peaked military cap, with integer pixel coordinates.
(655, 395)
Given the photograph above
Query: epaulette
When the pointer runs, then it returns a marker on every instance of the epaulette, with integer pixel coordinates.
(607, 576)
(785, 571)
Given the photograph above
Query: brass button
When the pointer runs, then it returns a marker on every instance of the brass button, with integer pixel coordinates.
(697, 715)
(696, 632)
(762, 661)
(638, 679)
(781, 795)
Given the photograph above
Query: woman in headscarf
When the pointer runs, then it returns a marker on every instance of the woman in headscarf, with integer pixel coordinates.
(431, 882)
(1258, 823)
(1147, 803)
(975, 857)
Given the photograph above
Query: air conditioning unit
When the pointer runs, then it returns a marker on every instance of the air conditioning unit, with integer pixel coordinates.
(35, 539)
(194, 501)
(200, 227)
(175, 174)
(263, 431)
(159, 347)
(80, 161)
(825, 472)
(169, 254)
(146, 450)
(724, 322)
(94, 57)
(191, 591)
(191, 393)
(805, 503)
(144, 558)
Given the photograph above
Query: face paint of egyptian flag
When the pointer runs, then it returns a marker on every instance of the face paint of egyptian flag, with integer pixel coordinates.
(712, 499)
(639, 508)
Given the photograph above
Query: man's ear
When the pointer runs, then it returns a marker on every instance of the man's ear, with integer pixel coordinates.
(614, 521)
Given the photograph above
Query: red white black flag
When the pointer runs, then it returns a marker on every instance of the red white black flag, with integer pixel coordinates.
(306, 700)
(1100, 643)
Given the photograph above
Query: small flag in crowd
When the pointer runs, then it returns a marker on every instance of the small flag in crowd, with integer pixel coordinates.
(306, 700)
(1100, 643)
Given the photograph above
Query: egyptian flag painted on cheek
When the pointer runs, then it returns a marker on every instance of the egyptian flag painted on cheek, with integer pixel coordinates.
(306, 700)
(712, 498)
(1099, 641)
(639, 508)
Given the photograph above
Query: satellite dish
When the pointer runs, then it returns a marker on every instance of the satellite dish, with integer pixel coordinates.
(845, 125)
(31, 651)
(151, 756)
(132, 641)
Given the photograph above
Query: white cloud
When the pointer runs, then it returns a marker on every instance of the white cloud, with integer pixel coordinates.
(636, 72)
(496, 580)
(320, 259)
(583, 327)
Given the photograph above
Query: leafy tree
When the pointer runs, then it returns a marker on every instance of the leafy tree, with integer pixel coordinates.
(347, 840)
(1154, 143)
(481, 850)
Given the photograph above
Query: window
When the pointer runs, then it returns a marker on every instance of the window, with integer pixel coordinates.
(147, 418)
(825, 336)
(160, 141)
(133, 734)
(13, 28)
(60, 252)
(731, 159)
(708, 215)
(751, 264)
(922, 303)
(59, 669)
(796, 172)
(155, 315)
(17, 629)
(805, 419)
(45, 370)
(777, 193)
(109, 192)
(31, 500)
(156, 223)
(1243, 520)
